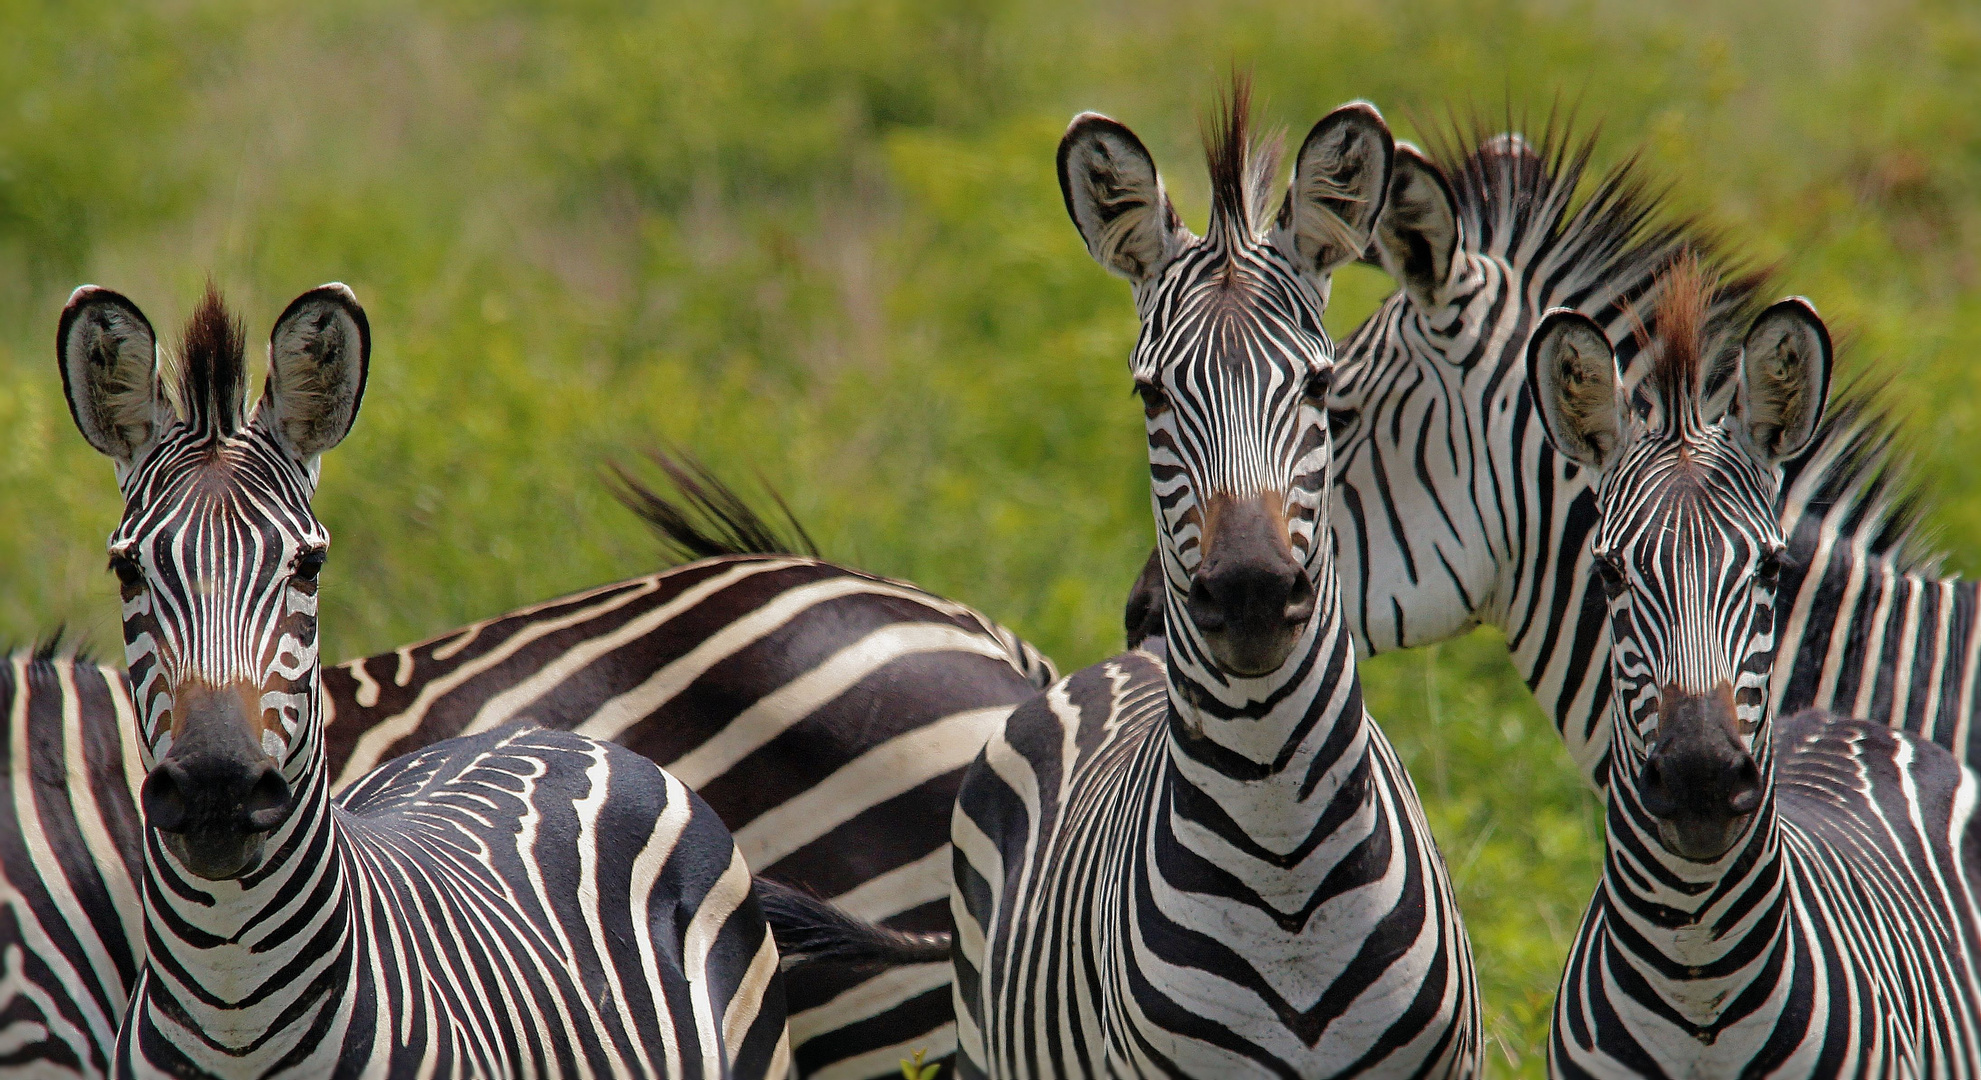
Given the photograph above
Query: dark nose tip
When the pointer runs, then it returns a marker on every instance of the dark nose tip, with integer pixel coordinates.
(1250, 598)
(1710, 782)
(1257, 592)
(181, 796)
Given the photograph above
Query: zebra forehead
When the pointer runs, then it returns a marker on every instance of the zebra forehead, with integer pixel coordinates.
(1216, 328)
(229, 483)
(1689, 503)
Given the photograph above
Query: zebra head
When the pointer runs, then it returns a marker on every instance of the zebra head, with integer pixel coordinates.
(1232, 364)
(217, 553)
(1448, 500)
(1687, 544)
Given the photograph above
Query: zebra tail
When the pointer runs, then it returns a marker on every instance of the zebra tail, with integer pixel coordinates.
(812, 931)
(707, 519)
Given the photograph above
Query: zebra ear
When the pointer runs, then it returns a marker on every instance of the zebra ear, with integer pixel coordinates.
(1116, 199)
(318, 355)
(109, 360)
(1784, 380)
(1571, 369)
(1418, 233)
(1339, 180)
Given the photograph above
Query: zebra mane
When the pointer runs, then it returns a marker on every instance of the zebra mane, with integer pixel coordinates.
(1678, 353)
(1242, 166)
(1517, 197)
(55, 645)
(212, 370)
(709, 519)
(1856, 463)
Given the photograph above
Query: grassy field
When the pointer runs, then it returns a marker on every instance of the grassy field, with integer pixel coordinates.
(821, 241)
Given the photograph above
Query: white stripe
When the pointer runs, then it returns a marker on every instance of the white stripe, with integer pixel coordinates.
(895, 767)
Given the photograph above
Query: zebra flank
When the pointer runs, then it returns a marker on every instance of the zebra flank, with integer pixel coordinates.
(1778, 899)
(515, 901)
(826, 714)
(1218, 867)
(71, 856)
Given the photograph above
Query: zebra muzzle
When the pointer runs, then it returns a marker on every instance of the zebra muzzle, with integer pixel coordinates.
(216, 795)
(1701, 784)
(1249, 598)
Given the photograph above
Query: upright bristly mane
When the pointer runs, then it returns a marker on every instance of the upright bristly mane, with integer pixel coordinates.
(1517, 197)
(1677, 348)
(212, 369)
(1242, 170)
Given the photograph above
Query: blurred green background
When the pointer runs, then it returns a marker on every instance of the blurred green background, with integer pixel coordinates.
(822, 241)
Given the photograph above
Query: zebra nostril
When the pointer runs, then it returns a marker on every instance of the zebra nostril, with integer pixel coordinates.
(1744, 794)
(1655, 795)
(1300, 600)
(1205, 610)
(163, 798)
(268, 802)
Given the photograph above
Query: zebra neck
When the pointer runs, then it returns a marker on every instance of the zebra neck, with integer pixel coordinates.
(1711, 923)
(1281, 765)
(213, 985)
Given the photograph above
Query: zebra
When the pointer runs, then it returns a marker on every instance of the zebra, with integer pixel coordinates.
(520, 900)
(1776, 901)
(1215, 866)
(803, 680)
(71, 919)
(1452, 511)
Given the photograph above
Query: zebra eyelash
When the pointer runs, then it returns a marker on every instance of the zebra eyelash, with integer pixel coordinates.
(310, 562)
(130, 574)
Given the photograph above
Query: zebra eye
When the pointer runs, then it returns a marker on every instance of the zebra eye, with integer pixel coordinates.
(1769, 569)
(129, 573)
(1609, 569)
(1319, 382)
(1154, 401)
(310, 563)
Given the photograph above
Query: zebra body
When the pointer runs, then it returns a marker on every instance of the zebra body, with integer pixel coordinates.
(1099, 935)
(423, 922)
(71, 858)
(842, 675)
(1777, 900)
(827, 715)
(517, 901)
(1851, 939)
(1215, 866)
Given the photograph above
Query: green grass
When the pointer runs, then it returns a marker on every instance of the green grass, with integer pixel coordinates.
(822, 241)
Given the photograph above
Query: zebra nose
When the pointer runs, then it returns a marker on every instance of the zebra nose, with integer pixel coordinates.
(216, 794)
(1698, 780)
(208, 793)
(1249, 598)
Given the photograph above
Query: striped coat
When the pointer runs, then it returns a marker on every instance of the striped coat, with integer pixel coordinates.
(518, 901)
(1792, 899)
(1215, 866)
(839, 644)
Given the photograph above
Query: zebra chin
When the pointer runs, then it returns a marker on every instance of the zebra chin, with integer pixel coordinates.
(216, 855)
